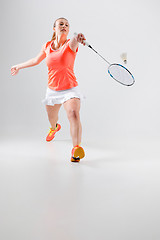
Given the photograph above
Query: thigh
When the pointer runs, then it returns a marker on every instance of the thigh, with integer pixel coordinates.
(53, 110)
(72, 104)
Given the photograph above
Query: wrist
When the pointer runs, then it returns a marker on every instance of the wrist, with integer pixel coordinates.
(75, 37)
(19, 67)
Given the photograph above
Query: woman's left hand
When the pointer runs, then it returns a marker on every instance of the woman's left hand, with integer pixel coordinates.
(81, 38)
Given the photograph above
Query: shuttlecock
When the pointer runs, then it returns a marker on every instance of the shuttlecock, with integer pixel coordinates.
(124, 57)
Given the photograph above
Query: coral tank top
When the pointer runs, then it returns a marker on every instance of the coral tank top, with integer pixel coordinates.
(60, 65)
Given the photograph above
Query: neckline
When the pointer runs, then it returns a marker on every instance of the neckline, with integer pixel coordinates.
(58, 48)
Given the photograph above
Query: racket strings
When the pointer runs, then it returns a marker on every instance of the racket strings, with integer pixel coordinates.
(121, 74)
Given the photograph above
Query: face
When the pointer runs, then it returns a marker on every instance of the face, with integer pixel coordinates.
(62, 27)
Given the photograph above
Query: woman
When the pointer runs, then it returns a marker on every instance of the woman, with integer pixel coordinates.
(60, 55)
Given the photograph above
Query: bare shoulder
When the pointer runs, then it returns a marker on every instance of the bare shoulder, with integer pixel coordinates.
(73, 44)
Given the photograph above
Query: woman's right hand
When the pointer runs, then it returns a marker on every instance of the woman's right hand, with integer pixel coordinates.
(14, 70)
(81, 38)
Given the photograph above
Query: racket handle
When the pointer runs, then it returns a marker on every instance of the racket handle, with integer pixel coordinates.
(86, 43)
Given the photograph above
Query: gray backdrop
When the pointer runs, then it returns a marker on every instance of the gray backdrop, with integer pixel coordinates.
(112, 27)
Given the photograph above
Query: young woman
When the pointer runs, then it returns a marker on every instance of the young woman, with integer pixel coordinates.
(60, 55)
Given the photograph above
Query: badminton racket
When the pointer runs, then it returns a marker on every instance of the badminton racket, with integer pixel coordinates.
(117, 71)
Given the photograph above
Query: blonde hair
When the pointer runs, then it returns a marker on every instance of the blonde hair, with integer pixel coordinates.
(54, 25)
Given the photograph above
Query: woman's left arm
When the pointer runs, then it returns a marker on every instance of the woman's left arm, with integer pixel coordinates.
(74, 42)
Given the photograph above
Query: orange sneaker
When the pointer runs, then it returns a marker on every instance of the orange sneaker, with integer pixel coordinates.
(77, 153)
(52, 132)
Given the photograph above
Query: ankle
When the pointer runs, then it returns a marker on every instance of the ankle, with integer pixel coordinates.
(54, 127)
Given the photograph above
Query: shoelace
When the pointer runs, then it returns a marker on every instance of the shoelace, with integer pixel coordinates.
(52, 131)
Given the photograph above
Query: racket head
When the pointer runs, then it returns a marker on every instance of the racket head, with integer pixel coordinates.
(121, 74)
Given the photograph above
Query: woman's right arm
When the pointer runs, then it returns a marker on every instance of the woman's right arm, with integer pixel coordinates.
(30, 63)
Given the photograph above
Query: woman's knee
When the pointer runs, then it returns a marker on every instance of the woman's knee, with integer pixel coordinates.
(73, 114)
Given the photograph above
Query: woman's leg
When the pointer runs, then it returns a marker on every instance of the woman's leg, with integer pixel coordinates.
(52, 112)
(72, 107)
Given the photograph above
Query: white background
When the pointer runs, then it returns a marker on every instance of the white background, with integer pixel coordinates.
(111, 27)
(113, 193)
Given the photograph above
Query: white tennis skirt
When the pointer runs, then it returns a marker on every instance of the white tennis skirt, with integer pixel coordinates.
(59, 97)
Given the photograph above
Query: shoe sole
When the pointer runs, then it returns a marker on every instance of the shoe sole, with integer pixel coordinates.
(79, 153)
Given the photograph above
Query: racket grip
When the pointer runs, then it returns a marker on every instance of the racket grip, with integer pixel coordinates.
(86, 43)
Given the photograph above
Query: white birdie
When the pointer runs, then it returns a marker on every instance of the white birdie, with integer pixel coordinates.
(124, 57)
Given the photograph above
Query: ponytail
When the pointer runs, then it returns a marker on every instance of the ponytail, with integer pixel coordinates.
(54, 36)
